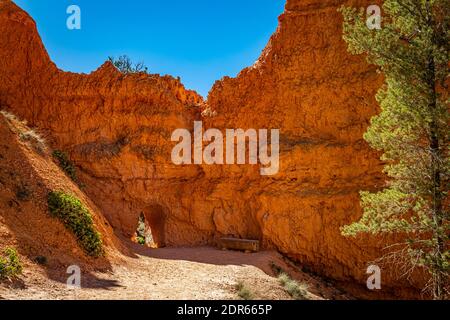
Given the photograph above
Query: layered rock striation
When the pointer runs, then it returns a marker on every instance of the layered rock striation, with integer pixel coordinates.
(117, 128)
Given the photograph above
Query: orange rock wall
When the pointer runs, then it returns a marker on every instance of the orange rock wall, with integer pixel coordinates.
(322, 98)
(117, 130)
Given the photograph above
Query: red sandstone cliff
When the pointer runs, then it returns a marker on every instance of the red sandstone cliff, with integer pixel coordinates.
(117, 130)
(322, 98)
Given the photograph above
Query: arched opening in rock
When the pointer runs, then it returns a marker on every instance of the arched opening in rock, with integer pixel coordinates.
(150, 230)
(143, 235)
(152, 225)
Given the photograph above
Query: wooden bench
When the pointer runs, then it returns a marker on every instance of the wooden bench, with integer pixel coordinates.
(239, 244)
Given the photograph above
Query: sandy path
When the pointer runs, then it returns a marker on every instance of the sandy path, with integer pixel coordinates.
(169, 273)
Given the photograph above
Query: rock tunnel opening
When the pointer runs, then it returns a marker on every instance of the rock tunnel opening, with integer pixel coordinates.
(151, 227)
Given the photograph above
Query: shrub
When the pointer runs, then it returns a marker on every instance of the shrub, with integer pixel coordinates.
(65, 164)
(126, 66)
(10, 265)
(23, 192)
(77, 218)
(276, 268)
(141, 237)
(41, 260)
(283, 278)
(296, 290)
(26, 134)
(141, 240)
(243, 292)
(36, 140)
(9, 115)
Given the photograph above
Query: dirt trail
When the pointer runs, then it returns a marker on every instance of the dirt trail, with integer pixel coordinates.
(128, 271)
(169, 273)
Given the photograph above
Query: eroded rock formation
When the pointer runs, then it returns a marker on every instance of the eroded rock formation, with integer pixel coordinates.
(117, 130)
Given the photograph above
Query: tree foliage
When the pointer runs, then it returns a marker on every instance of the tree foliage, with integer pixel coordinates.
(126, 66)
(411, 50)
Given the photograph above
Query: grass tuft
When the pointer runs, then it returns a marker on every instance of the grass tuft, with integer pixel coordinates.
(26, 134)
(9, 116)
(296, 290)
(243, 291)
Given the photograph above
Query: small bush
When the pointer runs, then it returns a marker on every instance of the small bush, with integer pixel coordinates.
(37, 141)
(293, 288)
(142, 230)
(126, 66)
(23, 193)
(77, 218)
(243, 292)
(141, 240)
(41, 260)
(283, 278)
(276, 268)
(26, 134)
(65, 164)
(9, 115)
(10, 265)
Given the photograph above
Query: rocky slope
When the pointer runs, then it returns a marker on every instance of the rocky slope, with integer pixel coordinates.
(117, 129)
(27, 175)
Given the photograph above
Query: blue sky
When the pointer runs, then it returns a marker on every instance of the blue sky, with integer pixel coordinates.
(199, 40)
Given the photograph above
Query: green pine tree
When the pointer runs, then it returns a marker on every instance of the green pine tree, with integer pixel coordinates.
(411, 50)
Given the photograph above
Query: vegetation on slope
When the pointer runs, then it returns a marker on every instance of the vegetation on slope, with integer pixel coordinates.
(66, 164)
(243, 291)
(10, 265)
(298, 291)
(76, 218)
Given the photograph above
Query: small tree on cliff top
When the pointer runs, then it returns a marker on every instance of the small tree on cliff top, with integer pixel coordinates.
(126, 66)
(412, 51)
